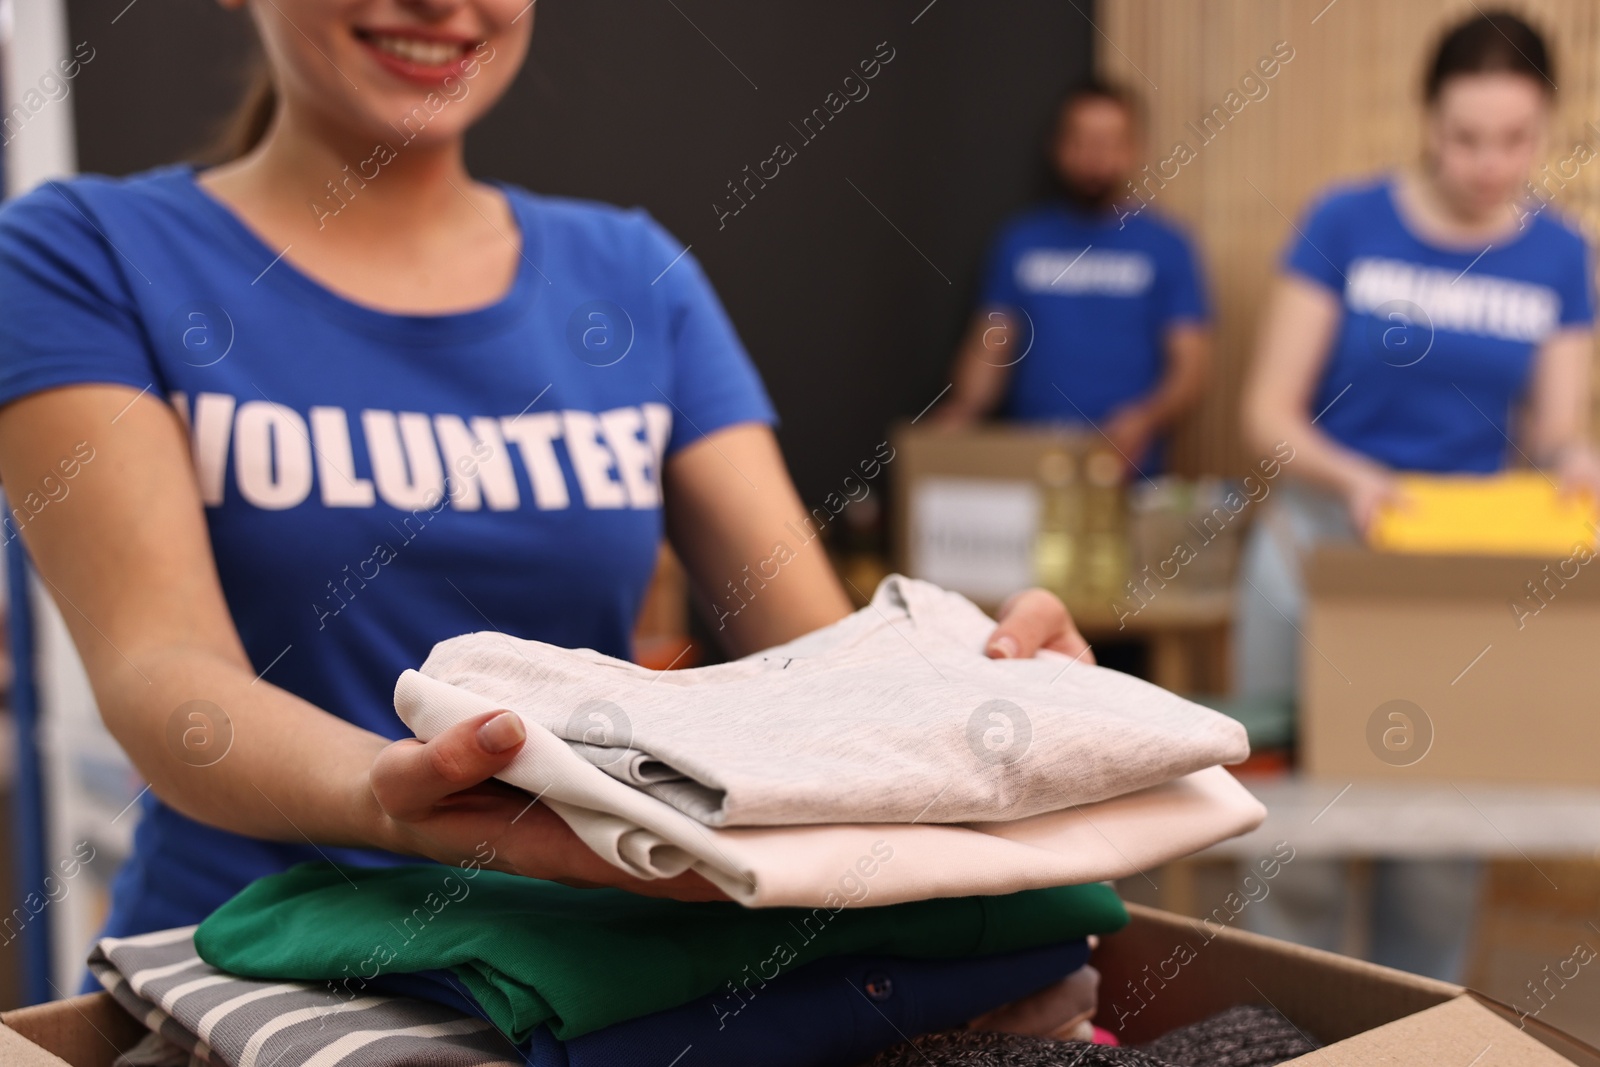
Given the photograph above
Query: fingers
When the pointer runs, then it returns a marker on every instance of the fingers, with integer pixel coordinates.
(1362, 518)
(1579, 472)
(1035, 619)
(441, 793)
(1369, 501)
(1389, 500)
(410, 777)
(531, 840)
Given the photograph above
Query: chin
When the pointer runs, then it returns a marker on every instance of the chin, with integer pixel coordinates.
(1091, 195)
(420, 115)
(1495, 201)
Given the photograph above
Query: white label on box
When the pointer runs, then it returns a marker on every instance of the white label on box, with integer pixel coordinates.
(974, 535)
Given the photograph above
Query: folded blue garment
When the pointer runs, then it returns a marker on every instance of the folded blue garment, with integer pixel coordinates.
(836, 1011)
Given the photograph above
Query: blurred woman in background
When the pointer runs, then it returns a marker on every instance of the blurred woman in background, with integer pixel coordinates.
(1425, 321)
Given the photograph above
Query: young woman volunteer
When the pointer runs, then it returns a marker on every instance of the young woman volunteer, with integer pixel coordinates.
(340, 400)
(1438, 319)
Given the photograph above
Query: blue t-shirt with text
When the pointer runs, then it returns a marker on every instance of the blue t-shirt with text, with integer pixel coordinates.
(374, 483)
(1435, 346)
(1097, 296)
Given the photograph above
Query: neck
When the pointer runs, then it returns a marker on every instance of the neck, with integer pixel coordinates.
(1084, 206)
(1450, 211)
(307, 166)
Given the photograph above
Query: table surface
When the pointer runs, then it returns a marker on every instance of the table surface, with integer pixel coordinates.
(1334, 819)
(1169, 609)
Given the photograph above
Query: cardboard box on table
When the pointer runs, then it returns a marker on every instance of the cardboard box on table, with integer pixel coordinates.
(1162, 972)
(1450, 668)
(966, 504)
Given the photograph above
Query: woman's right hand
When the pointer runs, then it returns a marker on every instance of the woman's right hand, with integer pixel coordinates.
(439, 799)
(1367, 490)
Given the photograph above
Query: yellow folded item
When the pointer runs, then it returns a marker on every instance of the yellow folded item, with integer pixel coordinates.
(1519, 513)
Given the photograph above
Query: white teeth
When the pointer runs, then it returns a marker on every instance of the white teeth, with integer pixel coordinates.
(422, 53)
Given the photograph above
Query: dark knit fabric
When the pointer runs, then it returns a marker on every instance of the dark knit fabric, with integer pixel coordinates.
(1239, 1037)
(982, 1048)
(1249, 1036)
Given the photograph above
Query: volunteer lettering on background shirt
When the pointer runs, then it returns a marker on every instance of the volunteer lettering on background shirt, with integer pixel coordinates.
(1435, 346)
(376, 483)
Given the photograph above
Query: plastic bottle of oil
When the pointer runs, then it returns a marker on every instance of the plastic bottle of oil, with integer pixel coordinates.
(1057, 551)
(1106, 549)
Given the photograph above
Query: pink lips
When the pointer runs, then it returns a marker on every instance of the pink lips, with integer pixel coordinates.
(418, 73)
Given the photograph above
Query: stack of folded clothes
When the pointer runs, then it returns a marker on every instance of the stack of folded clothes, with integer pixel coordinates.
(324, 966)
(888, 735)
(431, 964)
(912, 836)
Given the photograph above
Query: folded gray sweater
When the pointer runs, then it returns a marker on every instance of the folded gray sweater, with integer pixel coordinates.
(861, 721)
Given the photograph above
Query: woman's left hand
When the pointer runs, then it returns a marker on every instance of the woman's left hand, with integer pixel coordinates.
(1579, 470)
(1035, 619)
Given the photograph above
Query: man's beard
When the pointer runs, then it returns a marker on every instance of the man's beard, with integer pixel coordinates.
(1091, 195)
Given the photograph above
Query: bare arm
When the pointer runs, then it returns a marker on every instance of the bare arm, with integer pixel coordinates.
(1561, 397)
(1291, 352)
(1183, 381)
(127, 557)
(1188, 351)
(982, 369)
(128, 560)
(733, 516)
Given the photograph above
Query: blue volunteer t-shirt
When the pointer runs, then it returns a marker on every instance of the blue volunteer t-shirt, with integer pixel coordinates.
(1435, 346)
(1097, 297)
(375, 483)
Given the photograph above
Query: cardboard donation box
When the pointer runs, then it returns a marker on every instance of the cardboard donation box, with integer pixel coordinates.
(1451, 667)
(967, 505)
(1166, 971)
(1162, 972)
(990, 510)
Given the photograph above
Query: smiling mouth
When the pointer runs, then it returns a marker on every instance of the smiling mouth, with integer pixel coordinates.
(415, 50)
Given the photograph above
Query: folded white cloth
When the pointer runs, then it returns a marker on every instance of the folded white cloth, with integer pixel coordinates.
(854, 863)
(892, 715)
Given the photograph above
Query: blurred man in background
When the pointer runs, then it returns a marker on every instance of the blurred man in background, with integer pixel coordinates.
(1092, 308)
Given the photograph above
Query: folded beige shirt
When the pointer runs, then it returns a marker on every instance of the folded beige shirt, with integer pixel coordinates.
(852, 864)
(893, 714)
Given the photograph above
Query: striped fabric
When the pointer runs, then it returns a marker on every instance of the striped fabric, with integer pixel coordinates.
(228, 1021)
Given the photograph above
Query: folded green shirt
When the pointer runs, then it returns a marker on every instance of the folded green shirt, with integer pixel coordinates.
(533, 952)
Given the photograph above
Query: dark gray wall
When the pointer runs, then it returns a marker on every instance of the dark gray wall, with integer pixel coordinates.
(628, 101)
